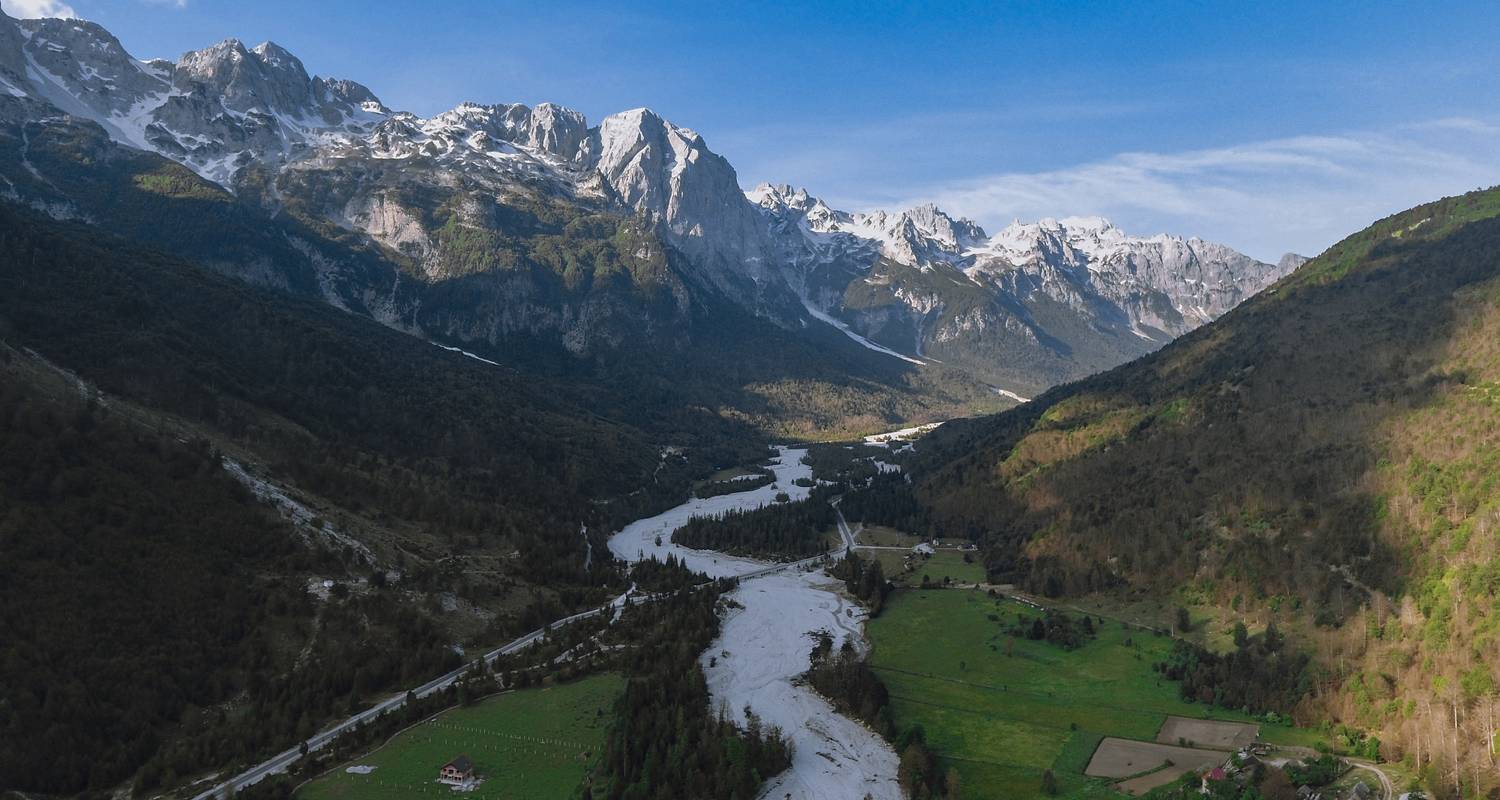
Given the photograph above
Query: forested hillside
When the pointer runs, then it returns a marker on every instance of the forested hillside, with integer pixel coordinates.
(127, 588)
(156, 615)
(1325, 457)
(445, 476)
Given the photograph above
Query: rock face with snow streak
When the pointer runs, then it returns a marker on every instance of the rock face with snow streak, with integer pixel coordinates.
(215, 110)
(1032, 305)
(461, 196)
(1199, 280)
(669, 174)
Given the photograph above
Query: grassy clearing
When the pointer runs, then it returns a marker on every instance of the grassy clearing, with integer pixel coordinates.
(892, 562)
(1002, 710)
(947, 564)
(1213, 626)
(534, 743)
(734, 473)
(882, 536)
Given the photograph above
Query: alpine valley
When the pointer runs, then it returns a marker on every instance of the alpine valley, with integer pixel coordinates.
(336, 440)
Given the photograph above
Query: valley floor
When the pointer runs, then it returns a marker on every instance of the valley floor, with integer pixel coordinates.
(532, 743)
(1003, 710)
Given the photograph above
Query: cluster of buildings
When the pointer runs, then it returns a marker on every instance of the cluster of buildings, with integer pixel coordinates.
(1244, 764)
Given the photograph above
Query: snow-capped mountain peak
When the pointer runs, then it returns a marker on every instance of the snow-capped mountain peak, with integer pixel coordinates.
(215, 110)
(918, 237)
(548, 130)
(922, 235)
(1148, 289)
(910, 281)
(1201, 279)
(278, 59)
(793, 206)
(1019, 243)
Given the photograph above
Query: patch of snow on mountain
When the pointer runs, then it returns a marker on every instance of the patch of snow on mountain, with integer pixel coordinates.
(1012, 395)
(860, 340)
(464, 352)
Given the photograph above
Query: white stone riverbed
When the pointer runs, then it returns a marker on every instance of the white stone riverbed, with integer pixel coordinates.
(763, 648)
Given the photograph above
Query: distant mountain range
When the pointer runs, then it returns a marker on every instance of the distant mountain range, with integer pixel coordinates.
(470, 195)
(1032, 305)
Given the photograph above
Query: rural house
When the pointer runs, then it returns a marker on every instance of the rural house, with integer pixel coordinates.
(457, 772)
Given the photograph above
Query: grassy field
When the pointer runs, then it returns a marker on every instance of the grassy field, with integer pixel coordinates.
(732, 473)
(892, 561)
(1001, 710)
(883, 536)
(533, 743)
(947, 563)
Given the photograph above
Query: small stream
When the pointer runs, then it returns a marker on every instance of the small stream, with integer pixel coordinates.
(763, 648)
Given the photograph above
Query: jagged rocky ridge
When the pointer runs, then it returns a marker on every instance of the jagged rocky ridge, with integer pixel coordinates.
(1061, 297)
(455, 197)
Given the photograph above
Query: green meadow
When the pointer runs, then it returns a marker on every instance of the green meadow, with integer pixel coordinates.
(1001, 710)
(533, 743)
(947, 564)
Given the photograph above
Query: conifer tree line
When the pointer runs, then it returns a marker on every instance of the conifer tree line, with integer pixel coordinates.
(667, 740)
(864, 578)
(164, 572)
(1261, 674)
(783, 530)
(846, 679)
(887, 499)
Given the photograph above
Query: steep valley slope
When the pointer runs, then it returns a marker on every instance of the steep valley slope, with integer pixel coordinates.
(1325, 458)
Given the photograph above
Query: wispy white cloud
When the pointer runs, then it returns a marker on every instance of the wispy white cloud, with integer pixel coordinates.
(31, 9)
(1295, 194)
(860, 161)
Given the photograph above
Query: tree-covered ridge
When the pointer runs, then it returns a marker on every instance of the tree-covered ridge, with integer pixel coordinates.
(146, 594)
(1330, 445)
(1389, 237)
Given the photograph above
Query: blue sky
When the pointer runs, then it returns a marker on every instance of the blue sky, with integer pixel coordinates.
(1269, 126)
